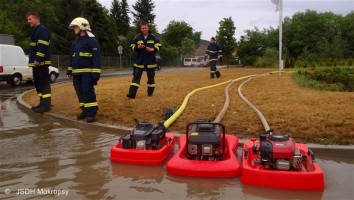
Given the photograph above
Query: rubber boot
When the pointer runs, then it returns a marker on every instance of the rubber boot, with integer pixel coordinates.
(217, 73)
(82, 115)
(43, 108)
(37, 106)
(132, 96)
(90, 119)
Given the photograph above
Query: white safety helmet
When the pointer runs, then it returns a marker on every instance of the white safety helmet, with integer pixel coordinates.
(82, 23)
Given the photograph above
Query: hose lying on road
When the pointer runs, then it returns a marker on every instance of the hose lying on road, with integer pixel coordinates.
(260, 115)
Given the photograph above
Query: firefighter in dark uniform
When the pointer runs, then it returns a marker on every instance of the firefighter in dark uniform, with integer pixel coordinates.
(39, 60)
(85, 67)
(214, 52)
(145, 45)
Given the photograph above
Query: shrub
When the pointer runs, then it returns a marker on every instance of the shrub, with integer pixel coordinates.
(327, 78)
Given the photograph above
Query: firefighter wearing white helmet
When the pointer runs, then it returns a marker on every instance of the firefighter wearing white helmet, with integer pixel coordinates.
(85, 67)
(83, 24)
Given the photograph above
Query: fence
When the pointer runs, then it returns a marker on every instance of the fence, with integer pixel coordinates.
(62, 61)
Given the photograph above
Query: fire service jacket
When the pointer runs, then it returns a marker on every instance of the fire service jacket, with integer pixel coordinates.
(213, 51)
(144, 57)
(85, 57)
(39, 46)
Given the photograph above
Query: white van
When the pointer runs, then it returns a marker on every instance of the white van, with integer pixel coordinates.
(14, 66)
(191, 62)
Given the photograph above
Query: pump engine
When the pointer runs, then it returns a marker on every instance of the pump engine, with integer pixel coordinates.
(145, 135)
(204, 141)
(278, 152)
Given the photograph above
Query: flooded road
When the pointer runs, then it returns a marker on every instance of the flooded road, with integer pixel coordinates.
(42, 158)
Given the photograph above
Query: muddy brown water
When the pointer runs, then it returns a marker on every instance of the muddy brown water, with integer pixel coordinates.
(42, 158)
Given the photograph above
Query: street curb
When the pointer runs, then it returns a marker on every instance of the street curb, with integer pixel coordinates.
(64, 119)
(125, 130)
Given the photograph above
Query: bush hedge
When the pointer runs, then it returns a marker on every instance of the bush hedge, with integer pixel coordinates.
(328, 78)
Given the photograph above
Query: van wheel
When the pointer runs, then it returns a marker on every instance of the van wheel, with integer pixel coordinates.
(16, 79)
(53, 77)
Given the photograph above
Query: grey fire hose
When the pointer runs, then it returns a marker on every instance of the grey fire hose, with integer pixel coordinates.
(226, 104)
(260, 115)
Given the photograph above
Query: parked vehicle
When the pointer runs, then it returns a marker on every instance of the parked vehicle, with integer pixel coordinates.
(191, 62)
(14, 66)
(204, 63)
(158, 62)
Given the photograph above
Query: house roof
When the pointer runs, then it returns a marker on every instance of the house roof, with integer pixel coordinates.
(200, 51)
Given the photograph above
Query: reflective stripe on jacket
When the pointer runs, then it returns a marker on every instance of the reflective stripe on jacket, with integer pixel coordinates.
(39, 46)
(85, 56)
(144, 57)
(213, 51)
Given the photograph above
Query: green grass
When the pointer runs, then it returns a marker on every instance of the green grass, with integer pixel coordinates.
(338, 79)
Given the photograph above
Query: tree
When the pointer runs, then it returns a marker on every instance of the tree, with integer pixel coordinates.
(56, 15)
(188, 47)
(225, 38)
(116, 11)
(102, 25)
(119, 11)
(125, 24)
(316, 37)
(251, 46)
(7, 26)
(144, 11)
(347, 27)
(177, 31)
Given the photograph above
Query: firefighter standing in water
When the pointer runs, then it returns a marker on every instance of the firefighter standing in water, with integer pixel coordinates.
(145, 45)
(85, 67)
(39, 59)
(214, 52)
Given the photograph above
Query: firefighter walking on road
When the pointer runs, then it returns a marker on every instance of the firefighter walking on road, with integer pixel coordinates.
(214, 52)
(85, 67)
(145, 45)
(39, 60)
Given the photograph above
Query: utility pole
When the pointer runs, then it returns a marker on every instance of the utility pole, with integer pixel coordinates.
(120, 51)
(280, 36)
(279, 4)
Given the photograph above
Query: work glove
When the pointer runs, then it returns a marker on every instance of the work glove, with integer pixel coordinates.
(95, 78)
(220, 60)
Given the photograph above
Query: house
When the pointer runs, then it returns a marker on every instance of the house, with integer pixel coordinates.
(200, 51)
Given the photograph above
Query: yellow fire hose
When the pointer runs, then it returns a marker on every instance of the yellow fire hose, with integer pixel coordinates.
(170, 120)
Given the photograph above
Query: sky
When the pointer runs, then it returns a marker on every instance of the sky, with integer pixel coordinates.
(205, 15)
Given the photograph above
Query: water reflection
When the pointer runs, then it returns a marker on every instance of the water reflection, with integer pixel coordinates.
(207, 188)
(38, 152)
(270, 193)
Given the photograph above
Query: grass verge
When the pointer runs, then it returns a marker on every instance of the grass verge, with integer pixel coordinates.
(326, 78)
(308, 115)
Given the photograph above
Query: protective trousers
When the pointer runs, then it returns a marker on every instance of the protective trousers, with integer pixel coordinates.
(134, 86)
(213, 69)
(85, 91)
(42, 84)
